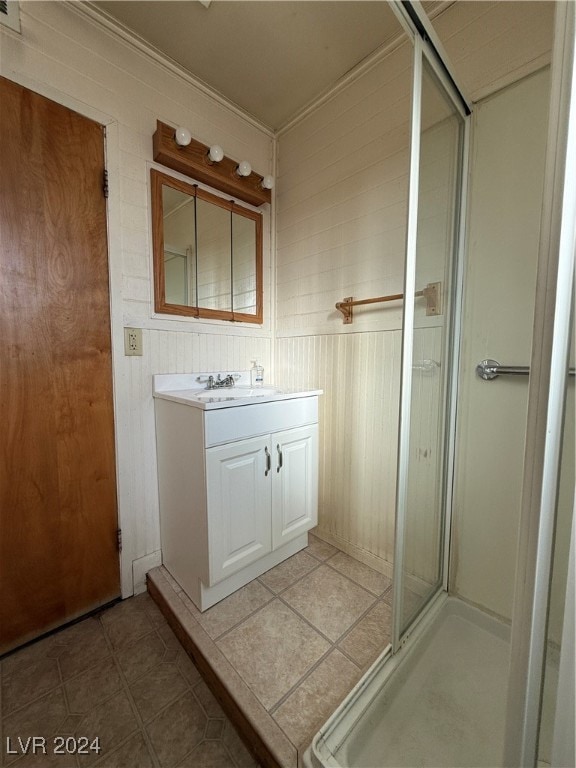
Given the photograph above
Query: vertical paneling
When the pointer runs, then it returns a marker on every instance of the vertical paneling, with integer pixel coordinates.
(360, 376)
(358, 428)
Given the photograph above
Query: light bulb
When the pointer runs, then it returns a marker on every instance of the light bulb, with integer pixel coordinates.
(267, 182)
(215, 153)
(182, 136)
(244, 168)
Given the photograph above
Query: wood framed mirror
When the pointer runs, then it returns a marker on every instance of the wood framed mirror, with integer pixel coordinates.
(207, 253)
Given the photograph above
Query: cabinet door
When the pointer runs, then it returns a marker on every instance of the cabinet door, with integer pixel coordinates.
(239, 505)
(295, 483)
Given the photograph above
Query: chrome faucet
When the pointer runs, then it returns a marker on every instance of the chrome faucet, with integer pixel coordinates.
(219, 383)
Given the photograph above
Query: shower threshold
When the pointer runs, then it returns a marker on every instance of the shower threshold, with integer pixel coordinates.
(440, 701)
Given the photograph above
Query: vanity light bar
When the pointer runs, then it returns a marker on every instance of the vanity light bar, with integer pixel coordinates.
(192, 159)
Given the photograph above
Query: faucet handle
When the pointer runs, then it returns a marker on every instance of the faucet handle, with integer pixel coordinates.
(211, 383)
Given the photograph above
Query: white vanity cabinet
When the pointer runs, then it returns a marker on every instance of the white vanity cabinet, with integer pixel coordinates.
(262, 493)
(294, 483)
(238, 489)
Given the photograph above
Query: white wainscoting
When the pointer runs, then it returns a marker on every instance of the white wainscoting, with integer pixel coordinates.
(359, 374)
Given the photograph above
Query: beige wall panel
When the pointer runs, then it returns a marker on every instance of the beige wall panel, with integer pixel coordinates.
(358, 428)
(493, 44)
(342, 203)
(376, 90)
(505, 201)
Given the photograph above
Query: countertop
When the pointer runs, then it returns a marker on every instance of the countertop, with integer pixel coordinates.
(185, 389)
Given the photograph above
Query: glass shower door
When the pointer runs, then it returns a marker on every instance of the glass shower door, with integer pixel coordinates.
(429, 340)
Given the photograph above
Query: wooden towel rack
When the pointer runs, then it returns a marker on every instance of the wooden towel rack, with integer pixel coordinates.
(432, 293)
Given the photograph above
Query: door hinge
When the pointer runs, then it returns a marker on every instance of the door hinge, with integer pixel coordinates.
(119, 539)
(105, 184)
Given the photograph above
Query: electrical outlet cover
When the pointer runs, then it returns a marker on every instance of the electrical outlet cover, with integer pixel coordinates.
(133, 341)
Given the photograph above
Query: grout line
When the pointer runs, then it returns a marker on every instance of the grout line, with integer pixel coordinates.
(358, 583)
(66, 699)
(189, 689)
(353, 626)
(275, 707)
(345, 632)
(330, 646)
(353, 581)
(333, 643)
(240, 621)
(305, 620)
(132, 703)
(347, 655)
(229, 753)
(333, 646)
(323, 559)
(203, 739)
(274, 596)
(138, 728)
(296, 581)
(34, 701)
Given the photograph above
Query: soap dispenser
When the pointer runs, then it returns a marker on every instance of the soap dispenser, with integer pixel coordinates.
(256, 374)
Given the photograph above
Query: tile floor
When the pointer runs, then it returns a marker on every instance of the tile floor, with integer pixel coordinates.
(300, 636)
(123, 676)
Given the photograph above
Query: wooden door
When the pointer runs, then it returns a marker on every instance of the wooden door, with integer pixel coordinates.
(58, 515)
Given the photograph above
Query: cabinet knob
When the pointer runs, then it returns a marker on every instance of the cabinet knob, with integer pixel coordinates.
(280, 459)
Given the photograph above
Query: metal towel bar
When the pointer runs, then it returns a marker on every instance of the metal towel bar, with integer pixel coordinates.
(490, 369)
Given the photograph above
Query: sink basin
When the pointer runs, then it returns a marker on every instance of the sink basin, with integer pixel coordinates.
(236, 393)
(186, 388)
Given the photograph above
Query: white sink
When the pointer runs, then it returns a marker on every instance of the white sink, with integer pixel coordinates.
(184, 388)
(236, 393)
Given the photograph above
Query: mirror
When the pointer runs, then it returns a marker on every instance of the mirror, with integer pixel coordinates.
(207, 253)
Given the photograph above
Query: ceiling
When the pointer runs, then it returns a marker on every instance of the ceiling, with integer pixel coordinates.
(271, 58)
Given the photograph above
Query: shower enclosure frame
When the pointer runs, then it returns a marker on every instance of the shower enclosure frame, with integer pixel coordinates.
(427, 48)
